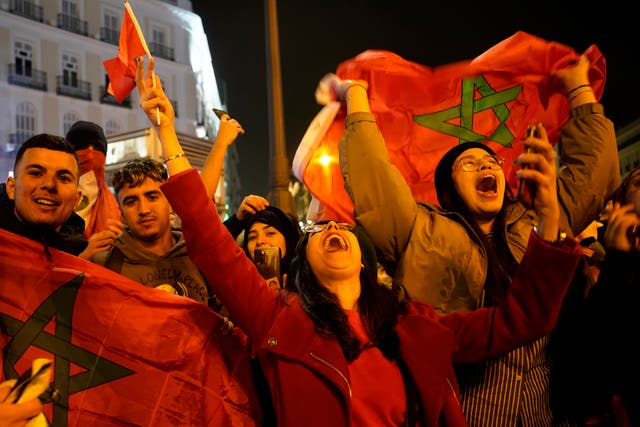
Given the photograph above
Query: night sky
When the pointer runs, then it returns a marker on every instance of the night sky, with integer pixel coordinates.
(315, 36)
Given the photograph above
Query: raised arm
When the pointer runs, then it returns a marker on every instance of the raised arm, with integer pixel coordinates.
(160, 112)
(589, 165)
(383, 201)
(249, 206)
(229, 273)
(212, 169)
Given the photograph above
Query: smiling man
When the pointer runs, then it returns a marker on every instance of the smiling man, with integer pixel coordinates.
(151, 251)
(38, 201)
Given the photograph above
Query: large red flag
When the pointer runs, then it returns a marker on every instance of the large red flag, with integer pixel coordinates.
(123, 354)
(422, 112)
(122, 68)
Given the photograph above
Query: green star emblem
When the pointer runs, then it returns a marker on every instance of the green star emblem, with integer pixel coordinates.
(468, 107)
(59, 304)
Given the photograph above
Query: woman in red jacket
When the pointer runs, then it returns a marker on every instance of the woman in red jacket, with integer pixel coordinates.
(343, 350)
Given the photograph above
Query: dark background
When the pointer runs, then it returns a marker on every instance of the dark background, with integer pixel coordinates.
(316, 35)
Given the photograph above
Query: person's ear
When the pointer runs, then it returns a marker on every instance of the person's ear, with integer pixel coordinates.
(79, 200)
(11, 188)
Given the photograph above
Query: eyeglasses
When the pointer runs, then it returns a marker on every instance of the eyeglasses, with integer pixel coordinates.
(472, 163)
(318, 227)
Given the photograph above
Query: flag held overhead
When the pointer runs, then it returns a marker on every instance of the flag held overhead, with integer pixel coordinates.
(122, 69)
(424, 111)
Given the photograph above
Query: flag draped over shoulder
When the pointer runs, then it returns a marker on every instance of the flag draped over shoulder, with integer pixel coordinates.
(123, 354)
(422, 112)
(122, 68)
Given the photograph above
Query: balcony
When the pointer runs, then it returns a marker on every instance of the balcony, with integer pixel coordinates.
(106, 98)
(161, 51)
(72, 24)
(78, 89)
(16, 140)
(26, 9)
(110, 35)
(33, 79)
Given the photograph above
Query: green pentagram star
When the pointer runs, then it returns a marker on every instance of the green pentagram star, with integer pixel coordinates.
(491, 99)
(59, 304)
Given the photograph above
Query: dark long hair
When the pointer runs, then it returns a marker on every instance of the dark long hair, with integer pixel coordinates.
(501, 265)
(379, 306)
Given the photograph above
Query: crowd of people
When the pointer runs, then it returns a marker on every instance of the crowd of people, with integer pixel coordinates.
(488, 320)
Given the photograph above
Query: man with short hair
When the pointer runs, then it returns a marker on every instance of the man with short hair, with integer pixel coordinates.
(150, 250)
(38, 201)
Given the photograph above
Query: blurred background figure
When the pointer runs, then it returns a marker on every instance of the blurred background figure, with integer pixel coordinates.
(98, 203)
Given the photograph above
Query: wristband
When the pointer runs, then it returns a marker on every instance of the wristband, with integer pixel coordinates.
(175, 156)
(578, 87)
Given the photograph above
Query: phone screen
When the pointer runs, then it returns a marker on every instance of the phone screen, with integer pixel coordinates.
(527, 191)
(267, 261)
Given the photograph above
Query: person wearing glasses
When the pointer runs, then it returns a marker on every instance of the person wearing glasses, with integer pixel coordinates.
(463, 255)
(343, 350)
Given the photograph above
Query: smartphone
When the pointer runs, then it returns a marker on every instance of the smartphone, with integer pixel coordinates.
(219, 113)
(527, 191)
(268, 262)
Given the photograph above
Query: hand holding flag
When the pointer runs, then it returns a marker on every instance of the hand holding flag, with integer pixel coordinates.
(422, 112)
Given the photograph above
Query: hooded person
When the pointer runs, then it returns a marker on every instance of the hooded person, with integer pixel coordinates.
(98, 203)
(448, 197)
(285, 224)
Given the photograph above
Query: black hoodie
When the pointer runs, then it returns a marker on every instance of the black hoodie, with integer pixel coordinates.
(68, 239)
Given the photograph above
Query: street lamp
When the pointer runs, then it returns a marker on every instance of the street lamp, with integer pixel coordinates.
(280, 167)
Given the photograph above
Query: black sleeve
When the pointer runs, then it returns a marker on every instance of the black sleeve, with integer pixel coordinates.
(234, 225)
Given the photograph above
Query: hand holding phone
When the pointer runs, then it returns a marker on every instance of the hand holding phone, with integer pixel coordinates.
(220, 113)
(267, 261)
(527, 191)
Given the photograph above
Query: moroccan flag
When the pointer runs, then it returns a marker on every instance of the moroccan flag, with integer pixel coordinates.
(123, 354)
(422, 112)
(122, 68)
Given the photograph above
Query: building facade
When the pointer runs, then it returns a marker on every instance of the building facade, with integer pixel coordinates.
(52, 51)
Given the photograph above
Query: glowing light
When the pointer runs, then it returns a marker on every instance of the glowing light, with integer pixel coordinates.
(325, 159)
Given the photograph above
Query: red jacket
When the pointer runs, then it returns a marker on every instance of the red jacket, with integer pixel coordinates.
(308, 373)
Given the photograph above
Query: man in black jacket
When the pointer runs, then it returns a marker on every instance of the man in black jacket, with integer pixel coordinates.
(37, 202)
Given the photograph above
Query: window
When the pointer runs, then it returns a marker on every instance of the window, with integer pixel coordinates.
(68, 120)
(69, 70)
(23, 53)
(111, 20)
(70, 8)
(158, 36)
(110, 32)
(25, 118)
(111, 127)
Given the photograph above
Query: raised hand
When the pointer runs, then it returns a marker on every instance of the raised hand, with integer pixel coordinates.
(228, 131)
(250, 205)
(153, 100)
(623, 228)
(540, 173)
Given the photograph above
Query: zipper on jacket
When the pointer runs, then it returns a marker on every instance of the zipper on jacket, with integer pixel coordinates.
(453, 391)
(335, 369)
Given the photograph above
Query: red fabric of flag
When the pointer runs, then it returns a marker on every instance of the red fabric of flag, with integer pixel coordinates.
(422, 112)
(123, 354)
(122, 69)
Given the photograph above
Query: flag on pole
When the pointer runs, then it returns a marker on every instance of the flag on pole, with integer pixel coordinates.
(123, 354)
(422, 112)
(122, 68)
